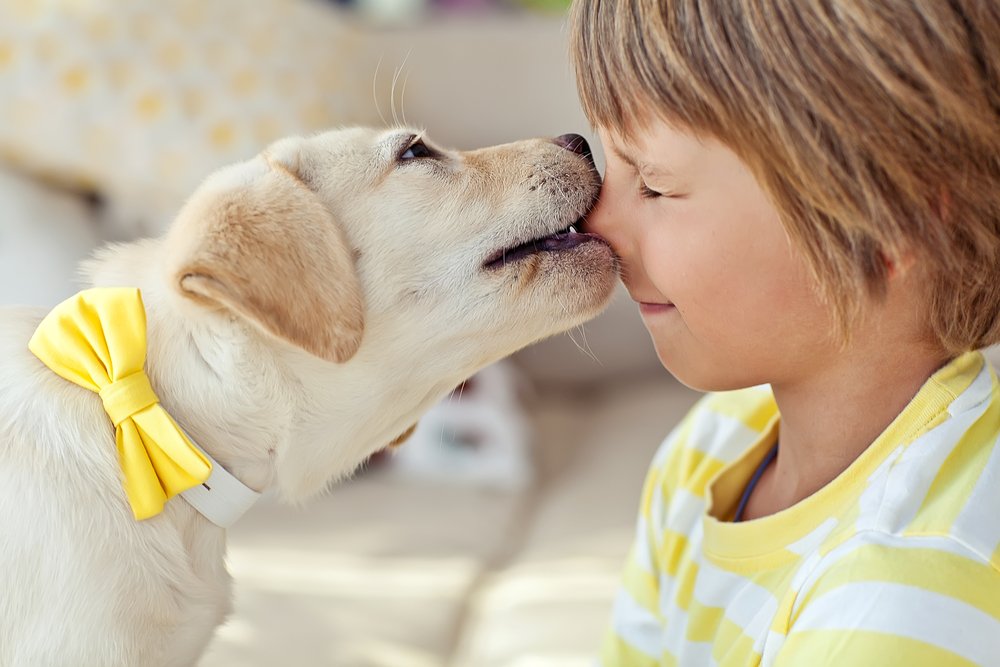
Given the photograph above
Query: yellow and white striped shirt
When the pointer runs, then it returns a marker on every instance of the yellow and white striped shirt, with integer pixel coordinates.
(895, 562)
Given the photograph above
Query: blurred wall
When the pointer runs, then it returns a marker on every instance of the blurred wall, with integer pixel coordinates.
(140, 105)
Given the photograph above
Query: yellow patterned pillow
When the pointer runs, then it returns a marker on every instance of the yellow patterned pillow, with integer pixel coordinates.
(141, 99)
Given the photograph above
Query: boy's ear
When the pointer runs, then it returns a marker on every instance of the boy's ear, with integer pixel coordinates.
(268, 250)
(897, 265)
(905, 258)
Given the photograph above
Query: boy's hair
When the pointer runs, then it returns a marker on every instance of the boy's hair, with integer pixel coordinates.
(874, 126)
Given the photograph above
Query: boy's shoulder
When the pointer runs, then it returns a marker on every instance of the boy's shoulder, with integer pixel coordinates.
(720, 427)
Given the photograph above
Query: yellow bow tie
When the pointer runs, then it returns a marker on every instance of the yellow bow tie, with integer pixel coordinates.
(97, 339)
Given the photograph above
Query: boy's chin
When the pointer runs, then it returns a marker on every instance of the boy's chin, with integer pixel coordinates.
(703, 371)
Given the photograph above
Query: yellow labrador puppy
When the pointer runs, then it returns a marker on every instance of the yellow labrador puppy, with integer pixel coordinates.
(304, 310)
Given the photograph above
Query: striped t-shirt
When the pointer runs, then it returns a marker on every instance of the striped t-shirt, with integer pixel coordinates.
(894, 562)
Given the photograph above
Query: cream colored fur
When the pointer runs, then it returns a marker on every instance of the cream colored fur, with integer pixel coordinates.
(303, 311)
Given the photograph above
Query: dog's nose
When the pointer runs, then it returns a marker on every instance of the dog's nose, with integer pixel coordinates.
(575, 143)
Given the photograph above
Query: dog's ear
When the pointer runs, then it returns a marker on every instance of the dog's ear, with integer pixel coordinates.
(402, 437)
(265, 247)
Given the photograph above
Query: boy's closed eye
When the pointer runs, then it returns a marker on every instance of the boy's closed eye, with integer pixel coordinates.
(647, 192)
(656, 181)
(644, 172)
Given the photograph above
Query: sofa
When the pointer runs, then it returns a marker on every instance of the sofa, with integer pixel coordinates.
(393, 571)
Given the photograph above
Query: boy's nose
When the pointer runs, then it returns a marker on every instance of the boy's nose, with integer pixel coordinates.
(596, 217)
(607, 220)
(577, 144)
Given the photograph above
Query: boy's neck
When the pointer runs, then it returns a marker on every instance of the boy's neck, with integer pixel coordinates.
(830, 417)
(840, 396)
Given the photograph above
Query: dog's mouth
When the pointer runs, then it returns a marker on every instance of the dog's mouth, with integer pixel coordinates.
(564, 240)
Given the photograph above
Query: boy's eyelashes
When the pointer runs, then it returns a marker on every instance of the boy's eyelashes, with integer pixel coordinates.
(647, 192)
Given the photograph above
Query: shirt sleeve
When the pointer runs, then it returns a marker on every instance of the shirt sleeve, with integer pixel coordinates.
(884, 600)
(635, 635)
(633, 638)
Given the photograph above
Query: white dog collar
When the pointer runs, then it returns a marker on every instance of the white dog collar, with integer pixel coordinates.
(222, 499)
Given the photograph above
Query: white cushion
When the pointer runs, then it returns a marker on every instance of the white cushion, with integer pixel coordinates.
(140, 100)
(44, 233)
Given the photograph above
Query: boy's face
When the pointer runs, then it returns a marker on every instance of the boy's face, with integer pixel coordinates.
(728, 301)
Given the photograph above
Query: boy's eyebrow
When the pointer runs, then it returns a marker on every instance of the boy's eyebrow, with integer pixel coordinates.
(628, 159)
(624, 157)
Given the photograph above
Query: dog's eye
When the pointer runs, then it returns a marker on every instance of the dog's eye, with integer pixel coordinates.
(416, 151)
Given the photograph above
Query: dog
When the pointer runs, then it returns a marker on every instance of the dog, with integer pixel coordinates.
(304, 309)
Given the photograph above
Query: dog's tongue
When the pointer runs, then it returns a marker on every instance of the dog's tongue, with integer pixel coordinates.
(554, 243)
(562, 241)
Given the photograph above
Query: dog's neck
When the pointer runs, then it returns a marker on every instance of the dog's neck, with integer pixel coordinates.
(277, 418)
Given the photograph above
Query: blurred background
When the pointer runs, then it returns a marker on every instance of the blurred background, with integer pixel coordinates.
(496, 535)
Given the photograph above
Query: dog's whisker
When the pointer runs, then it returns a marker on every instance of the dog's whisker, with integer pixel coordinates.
(402, 98)
(569, 333)
(569, 202)
(395, 80)
(392, 101)
(447, 402)
(586, 343)
(586, 350)
(378, 107)
(566, 309)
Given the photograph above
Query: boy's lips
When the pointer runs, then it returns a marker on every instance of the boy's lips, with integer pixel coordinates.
(653, 308)
(649, 306)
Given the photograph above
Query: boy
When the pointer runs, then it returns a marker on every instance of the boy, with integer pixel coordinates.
(805, 196)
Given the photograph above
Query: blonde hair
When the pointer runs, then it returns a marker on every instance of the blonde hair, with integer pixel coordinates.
(874, 126)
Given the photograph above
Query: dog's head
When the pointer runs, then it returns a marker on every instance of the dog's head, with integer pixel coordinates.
(405, 266)
(360, 237)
